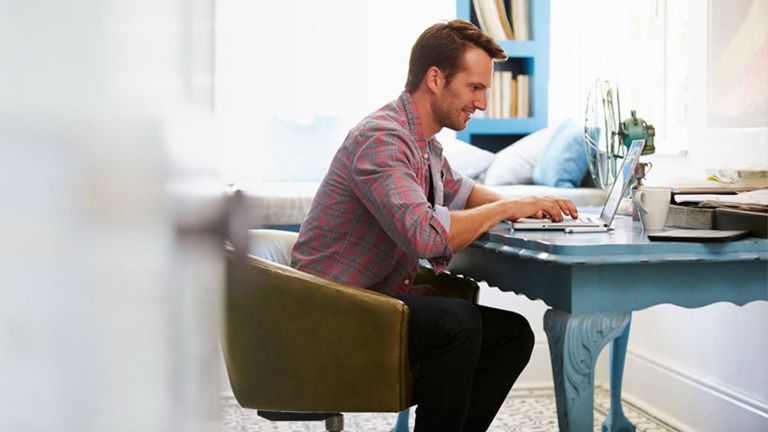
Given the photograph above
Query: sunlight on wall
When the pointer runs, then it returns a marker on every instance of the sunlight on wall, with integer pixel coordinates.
(317, 67)
(666, 57)
(622, 42)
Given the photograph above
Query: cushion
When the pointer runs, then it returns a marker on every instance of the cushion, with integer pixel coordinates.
(515, 163)
(272, 245)
(564, 162)
(463, 157)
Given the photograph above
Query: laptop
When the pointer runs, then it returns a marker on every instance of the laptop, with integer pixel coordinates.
(590, 223)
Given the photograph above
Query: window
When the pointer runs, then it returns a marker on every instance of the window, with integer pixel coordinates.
(695, 71)
(292, 77)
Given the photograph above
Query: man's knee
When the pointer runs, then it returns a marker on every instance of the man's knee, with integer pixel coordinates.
(462, 322)
(519, 337)
(528, 338)
(525, 339)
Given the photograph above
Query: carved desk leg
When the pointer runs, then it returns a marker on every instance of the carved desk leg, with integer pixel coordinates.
(616, 421)
(574, 344)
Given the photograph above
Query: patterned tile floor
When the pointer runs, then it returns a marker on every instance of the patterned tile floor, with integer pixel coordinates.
(525, 410)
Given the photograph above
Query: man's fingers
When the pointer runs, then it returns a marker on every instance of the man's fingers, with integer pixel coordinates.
(554, 211)
(572, 209)
(551, 207)
(566, 206)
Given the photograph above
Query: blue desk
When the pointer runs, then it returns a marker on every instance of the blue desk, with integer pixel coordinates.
(593, 282)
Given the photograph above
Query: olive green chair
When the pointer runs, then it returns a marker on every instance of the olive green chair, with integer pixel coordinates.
(300, 347)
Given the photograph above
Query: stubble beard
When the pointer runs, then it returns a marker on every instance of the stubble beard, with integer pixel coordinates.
(448, 115)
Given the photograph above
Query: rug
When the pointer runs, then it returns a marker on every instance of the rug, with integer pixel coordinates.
(525, 410)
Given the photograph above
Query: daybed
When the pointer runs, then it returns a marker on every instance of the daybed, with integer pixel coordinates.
(548, 162)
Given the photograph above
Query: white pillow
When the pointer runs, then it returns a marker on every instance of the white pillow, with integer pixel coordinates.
(515, 163)
(463, 157)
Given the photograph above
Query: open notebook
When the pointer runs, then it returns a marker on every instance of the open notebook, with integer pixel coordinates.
(603, 222)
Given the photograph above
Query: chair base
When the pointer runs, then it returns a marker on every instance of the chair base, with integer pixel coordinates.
(334, 422)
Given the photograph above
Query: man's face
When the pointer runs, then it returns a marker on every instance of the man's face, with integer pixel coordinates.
(466, 93)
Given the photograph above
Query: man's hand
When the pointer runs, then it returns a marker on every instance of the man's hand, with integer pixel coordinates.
(467, 225)
(539, 207)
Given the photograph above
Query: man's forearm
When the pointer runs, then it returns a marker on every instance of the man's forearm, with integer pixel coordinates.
(481, 195)
(467, 225)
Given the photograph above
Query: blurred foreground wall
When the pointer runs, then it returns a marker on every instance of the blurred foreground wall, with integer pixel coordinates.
(110, 271)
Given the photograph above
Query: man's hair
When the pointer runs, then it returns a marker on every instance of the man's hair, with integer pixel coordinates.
(443, 45)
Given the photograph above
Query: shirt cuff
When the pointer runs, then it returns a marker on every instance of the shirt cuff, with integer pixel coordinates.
(444, 216)
(460, 200)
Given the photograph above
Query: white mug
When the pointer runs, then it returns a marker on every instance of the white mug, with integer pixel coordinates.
(653, 205)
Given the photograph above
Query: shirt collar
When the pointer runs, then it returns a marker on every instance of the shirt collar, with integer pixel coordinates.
(414, 121)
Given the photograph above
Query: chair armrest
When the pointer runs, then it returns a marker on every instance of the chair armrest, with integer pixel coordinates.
(448, 285)
(297, 342)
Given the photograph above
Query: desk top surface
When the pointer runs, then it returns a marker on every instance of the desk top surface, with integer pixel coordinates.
(626, 244)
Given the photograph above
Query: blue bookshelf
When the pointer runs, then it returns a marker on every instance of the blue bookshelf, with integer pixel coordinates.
(529, 57)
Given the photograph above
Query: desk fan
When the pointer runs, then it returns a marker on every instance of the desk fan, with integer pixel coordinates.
(606, 139)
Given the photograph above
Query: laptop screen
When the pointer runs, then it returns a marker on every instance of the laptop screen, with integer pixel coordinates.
(622, 180)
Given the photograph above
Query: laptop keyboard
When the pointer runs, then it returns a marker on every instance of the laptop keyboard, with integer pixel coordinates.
(580, 220)
(585, 219)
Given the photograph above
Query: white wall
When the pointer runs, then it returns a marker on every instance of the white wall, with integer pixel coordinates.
(702, 369)
(289, 88)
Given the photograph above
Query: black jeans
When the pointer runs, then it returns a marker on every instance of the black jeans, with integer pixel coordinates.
(465, 358)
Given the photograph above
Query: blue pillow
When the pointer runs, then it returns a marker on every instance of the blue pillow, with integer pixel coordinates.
(563, 162)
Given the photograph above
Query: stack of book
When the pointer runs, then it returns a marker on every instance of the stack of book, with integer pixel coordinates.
(510, 96)
(497, 23)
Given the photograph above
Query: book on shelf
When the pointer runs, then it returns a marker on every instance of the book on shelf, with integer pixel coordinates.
(506, 94)
(523, 104)
(513, 98)
(509, 96)
(489, 111)
(504, 20)
(497, 95)
(519, 17)
(493, 18)
(481, 17)
(527, 97)
(487, 16)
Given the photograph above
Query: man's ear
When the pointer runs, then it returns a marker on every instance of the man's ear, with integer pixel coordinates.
(435, 79)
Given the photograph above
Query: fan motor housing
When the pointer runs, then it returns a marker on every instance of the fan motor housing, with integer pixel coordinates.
(635, 128)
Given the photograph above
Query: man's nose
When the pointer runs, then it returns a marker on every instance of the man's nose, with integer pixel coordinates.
(482, 102)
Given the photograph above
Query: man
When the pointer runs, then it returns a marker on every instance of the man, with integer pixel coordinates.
(390, 198)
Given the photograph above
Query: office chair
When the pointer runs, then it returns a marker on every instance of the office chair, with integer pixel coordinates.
(300, 347)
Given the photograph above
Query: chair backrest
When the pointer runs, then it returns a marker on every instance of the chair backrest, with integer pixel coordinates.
(297, 342)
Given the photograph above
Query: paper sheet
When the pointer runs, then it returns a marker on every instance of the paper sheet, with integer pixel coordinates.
(757, 197)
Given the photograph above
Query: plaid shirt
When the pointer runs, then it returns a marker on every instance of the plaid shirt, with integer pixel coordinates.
(370, 221)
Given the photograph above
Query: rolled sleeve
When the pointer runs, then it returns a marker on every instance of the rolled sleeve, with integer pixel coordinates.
(443, 214)
(456, 187)
(459, 201)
